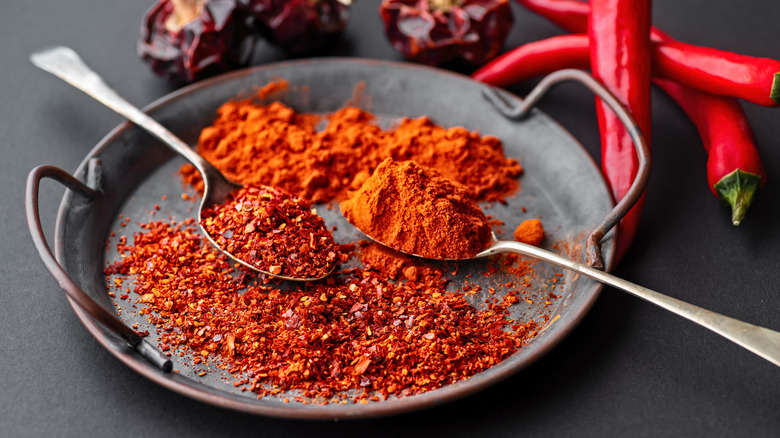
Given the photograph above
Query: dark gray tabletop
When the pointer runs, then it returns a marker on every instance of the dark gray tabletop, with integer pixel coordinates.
(629, 369)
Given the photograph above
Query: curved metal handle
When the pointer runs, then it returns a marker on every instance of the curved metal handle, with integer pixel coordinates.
(761, 341)
(595, 258)
(66, 64)
(108, 319)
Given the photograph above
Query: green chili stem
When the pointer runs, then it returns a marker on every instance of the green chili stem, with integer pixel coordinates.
(774, 93)
(738, 189)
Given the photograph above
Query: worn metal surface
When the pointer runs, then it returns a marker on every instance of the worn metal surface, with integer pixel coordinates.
(561, 184)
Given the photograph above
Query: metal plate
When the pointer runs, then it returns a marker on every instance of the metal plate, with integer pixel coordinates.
(561, 185)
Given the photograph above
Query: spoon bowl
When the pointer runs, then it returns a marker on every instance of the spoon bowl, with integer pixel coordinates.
(66, 64)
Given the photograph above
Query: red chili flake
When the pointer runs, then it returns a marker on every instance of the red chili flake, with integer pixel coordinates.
(273, 231)
(357, 331)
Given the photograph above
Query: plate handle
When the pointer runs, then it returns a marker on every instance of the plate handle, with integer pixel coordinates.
(592, 245)
(108, 319)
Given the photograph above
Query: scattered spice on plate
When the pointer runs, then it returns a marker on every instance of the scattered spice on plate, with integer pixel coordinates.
(274, 145)
(387, 325)
(274, 232)
(358, 331)
(398, 266)
(417, 211)
(530, 231)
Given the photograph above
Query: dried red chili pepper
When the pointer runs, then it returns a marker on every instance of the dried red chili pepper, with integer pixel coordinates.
(186, 40)
(298, 26)
(437, 31)
(734, 167)
(274, 232)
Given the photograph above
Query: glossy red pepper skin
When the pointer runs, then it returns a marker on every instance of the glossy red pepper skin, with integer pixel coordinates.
(734, 167)
(571, 15)
(719, 72)
(536, 58)
(620, 58)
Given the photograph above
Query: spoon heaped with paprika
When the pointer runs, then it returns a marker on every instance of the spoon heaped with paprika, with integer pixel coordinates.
(417, 236)
(261, 227)
(404, 207)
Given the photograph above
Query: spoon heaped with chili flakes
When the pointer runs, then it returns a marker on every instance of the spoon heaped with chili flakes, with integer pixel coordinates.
(260, 227)
(435, 221)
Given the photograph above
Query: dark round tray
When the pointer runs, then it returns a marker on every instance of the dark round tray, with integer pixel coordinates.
(561, 184)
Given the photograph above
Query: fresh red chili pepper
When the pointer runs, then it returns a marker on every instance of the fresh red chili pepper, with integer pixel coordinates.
(536, 58)
(730, 142)
(619, 160)
(734, 168)
(719, 72)
(571, 15)
(754, 79)
(620, 58)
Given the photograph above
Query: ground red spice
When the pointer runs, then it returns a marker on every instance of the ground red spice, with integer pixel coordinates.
(530, 231)
(387, 328)
(252, 143)
(415, 210)
(394, 265)
(274, 232)
(357, 331)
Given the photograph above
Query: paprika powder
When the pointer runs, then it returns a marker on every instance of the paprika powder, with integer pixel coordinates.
(252, 143)
(415, 210)
(386, 325)
(530, 231)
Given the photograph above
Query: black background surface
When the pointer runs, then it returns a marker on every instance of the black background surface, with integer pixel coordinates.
(629, 369)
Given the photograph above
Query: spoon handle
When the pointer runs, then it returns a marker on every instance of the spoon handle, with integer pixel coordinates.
(759, 340)
(66, 64)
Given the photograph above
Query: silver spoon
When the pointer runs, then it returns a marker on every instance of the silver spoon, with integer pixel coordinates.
(759, 340)
(66, 64)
